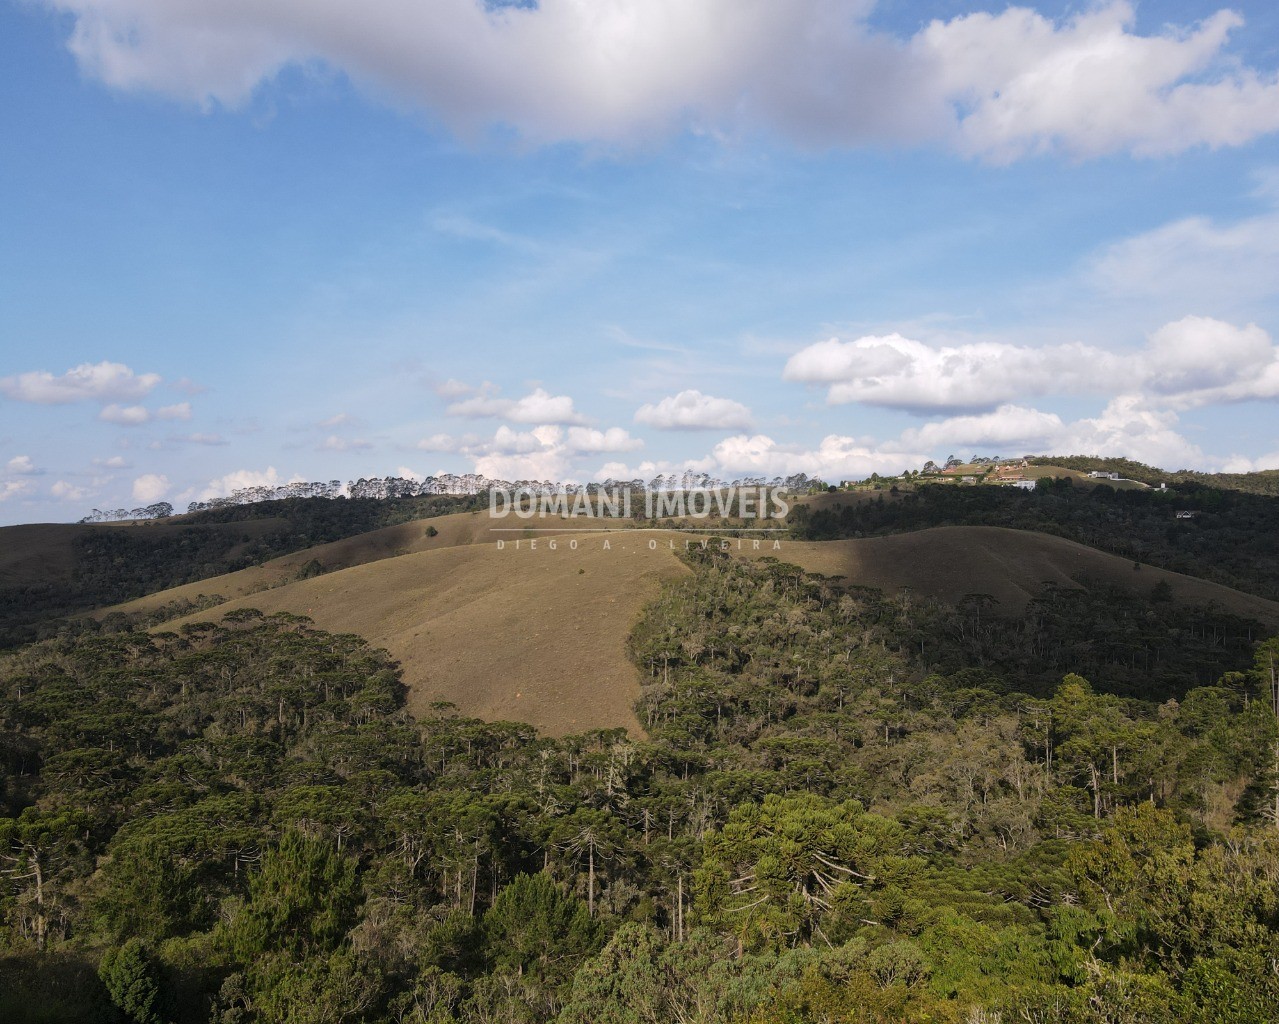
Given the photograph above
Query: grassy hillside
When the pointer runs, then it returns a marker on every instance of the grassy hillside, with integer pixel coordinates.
(1228, 537)
(48, 571)
(540, 636)
(1013, 566)
(532, 636)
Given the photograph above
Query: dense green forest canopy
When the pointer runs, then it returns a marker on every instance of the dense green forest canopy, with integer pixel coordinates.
(848, 807)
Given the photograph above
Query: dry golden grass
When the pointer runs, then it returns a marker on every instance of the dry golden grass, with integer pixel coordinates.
(537, 636)
(948, 562)
(388, 542)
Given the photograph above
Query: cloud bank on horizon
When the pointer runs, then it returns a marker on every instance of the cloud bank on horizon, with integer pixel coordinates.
(1150, 337)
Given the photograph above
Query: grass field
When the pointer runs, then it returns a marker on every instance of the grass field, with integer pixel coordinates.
(948, 562)
(389, 542)
(537, 636)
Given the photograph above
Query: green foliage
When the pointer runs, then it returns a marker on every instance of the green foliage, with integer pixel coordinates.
(129, 975)
(847, 808)
(301, 901)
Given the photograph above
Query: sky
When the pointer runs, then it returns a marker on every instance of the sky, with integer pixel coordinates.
(254, 241)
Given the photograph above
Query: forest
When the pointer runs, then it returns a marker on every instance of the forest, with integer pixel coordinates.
(848, 807)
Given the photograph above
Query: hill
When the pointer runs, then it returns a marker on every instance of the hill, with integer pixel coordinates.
(537, 636)
(540, 636)
(51, 570)
(1013, 566)
(388, 542)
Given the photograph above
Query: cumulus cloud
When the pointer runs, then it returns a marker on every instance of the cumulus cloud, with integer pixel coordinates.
(1012, 426)
(239, 479)
(692, 410)
(587, 440)
(1088, 86)
(1128, 427)
(835, 457)
(22, 465)
(102, 382)
(125, 415)
(180, 411)
(440, 443)
(1190, 362)
(150, 487)
(1200, 361)
(997, 86)
(13, 488)
(547, 452)
(114, 462)
(64, 491)
(539, 406)
(898, 372)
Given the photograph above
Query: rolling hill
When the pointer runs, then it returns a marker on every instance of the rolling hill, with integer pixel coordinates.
(537, 636)
(540, 636)
(948, 562)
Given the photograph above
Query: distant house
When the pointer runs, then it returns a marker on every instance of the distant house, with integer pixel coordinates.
(967, 479)
(1186, 514)
(1024, 485)
(1101, 474)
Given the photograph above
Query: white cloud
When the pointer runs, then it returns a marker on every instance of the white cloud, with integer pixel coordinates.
(1010, 425)
(692, 410)
(333, 443)
(242, 478)
(996, 86)
(1243, 464)
(150, 487)
(1127, 427)
(441, 443)
(64, 491)
(587, 440)
(1190, 362)
(1198, 360)
(1195, 262)
(198, 438)
(650, 468)
(898, 372)
(180, 411)
(102, 382)
(339, 420)
(114, 462)
(835, 458)
(13, 488)
(547, 452)
(22, 465)
(124, 415)
(1090, 86)
(539, 406)
(452, 388)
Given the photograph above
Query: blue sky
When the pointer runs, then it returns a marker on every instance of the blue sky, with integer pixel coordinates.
(254, 243)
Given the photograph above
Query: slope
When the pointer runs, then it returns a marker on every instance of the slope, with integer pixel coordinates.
(948, 562)
(537, 636)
